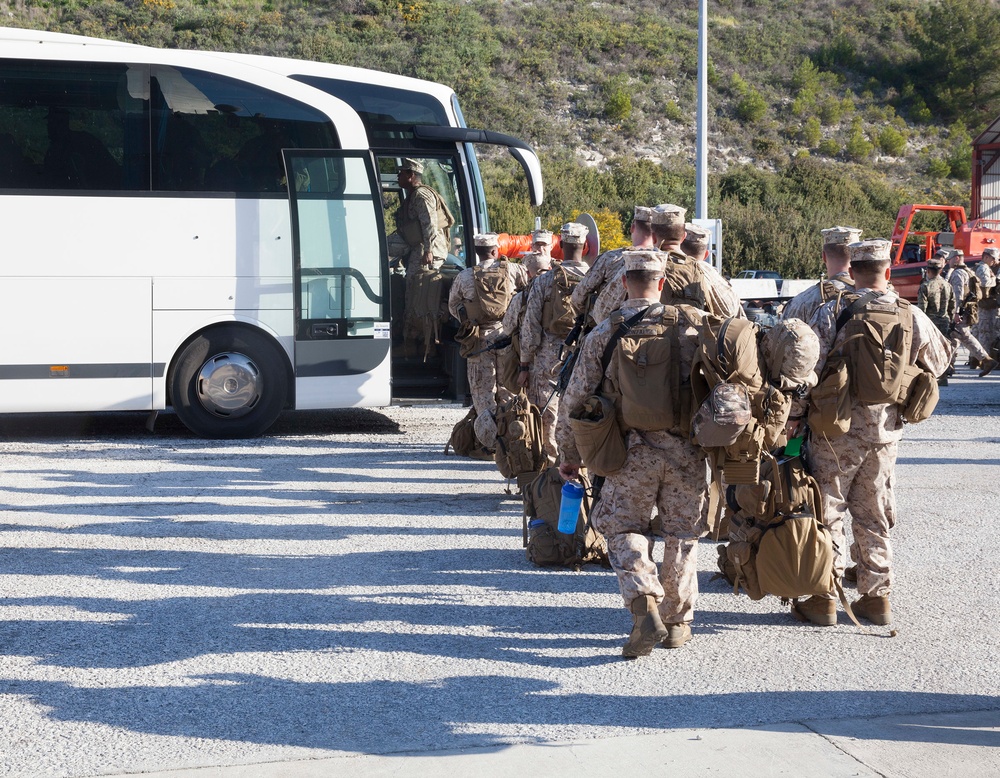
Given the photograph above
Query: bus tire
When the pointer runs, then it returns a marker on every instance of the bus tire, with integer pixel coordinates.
(229, 382)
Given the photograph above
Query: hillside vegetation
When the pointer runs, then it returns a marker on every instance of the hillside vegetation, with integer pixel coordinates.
(821, 111)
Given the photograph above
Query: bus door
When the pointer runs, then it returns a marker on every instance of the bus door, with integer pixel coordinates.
(425, 360)
(342, 329)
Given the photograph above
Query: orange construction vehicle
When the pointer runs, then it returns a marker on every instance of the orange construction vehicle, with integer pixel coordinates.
(912, 247)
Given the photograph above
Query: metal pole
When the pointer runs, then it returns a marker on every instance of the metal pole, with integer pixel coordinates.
(701, 162)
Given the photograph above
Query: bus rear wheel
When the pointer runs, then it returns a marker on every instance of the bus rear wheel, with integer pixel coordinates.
(229, 383)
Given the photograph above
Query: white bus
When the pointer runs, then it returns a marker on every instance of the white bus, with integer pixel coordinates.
(208, 231)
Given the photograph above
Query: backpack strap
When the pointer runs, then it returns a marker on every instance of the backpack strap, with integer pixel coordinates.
(624, 325)
(848, 313)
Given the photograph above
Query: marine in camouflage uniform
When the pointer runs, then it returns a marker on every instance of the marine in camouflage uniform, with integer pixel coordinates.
(961, 334)
(838, 276)
(421, 241)
(663, 470)
(669, 232)
(855, 471)
(608, 270)
(936, 298)
(482, 367)
(540, 348)
(986, 329)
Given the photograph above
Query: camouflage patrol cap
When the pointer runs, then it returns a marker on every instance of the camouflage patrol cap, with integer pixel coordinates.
(642, 213)
(542, 236)
(840, 235)
(874, 250)
(936, 262)
(958, 255)
(411, 164)
(699, 236)
(643, 260)
(573, 233)
(991, 252)
(667, 214)
(486, 239)
(535, 262)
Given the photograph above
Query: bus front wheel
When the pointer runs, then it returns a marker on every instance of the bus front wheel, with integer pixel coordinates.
(229, 383)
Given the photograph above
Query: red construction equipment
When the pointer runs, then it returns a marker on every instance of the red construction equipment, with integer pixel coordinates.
(911, 248)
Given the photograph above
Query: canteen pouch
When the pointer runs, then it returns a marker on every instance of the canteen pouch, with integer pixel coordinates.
(920, 396)
(598, 436)
(468, 338)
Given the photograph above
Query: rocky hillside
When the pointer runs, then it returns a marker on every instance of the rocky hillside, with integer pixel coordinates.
(821, 111)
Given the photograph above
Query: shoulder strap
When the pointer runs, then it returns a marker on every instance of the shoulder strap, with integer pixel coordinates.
(853, 308)
(618, 334)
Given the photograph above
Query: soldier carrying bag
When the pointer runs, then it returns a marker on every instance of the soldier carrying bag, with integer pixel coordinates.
(596, 428)
(871, 367)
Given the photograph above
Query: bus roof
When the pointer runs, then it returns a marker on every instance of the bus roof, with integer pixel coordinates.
(23, 44)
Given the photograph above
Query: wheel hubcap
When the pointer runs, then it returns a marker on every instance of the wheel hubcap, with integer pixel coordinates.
(229, 385)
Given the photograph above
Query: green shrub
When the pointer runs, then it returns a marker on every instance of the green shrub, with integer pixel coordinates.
(752, 107)
(858, 148)
(672, 112)
(618, 105)
(938, 168)
(811, 132)
(891, 141)
(830, 111)
(828, 147)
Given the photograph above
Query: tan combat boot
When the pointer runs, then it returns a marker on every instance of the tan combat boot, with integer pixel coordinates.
(874, 609)
(647, 629)
(677, 635)
(818, 610)
(987, 366)
(851, 574)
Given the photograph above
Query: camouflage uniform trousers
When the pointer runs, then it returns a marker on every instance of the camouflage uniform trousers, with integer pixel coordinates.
(856, 475)
(482, 372)
(987, 328)
(670, 477)
(421, 321)
(962, 335)
(541, 385)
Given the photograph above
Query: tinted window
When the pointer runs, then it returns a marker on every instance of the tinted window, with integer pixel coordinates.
(217, 134)
(73, 126)
(385, 111)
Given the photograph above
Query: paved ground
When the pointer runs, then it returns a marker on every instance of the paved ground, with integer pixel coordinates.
(340, 590)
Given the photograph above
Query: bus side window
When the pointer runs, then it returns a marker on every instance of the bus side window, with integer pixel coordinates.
(217, 134)
(77, 127)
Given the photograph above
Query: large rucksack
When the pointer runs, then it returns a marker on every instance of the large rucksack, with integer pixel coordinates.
(519, 449)
(871, 366)
(558, 313)
(739, 413)
(778, 543)
(544, 545)
(492, 293)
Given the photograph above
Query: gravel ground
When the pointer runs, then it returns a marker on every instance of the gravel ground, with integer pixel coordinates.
(341, 587)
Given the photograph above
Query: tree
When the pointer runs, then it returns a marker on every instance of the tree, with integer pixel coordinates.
(959, 58)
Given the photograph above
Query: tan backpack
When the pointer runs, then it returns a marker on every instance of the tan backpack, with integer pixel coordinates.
(519, 438)
(644, 375)
(685, 281)
(558, 313)
(492, 293)
(729, 356)
(544, 545)
(778, 543)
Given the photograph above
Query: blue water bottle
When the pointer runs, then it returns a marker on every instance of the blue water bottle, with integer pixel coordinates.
(569, 507)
